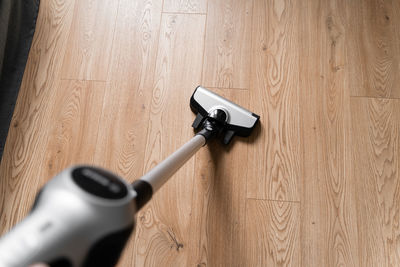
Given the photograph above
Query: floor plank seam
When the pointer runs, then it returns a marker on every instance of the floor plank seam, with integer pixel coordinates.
(82, 80)
(250, 84)
(181, 13)
(228, 88)
(274, 200)
(375, 97)
(112, 43)
(204, 47)
(162, 10)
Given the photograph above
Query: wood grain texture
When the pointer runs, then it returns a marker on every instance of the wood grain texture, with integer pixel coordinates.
(317, 184)
(228, 44)
(163, 231)
(374, 48)
(275, 169)
(126, 107)
(74, 126)
(328, 226)
(185, 6)
(90, 40)
(24, 150)
(218, 222)
(376, 151)
(273, 233)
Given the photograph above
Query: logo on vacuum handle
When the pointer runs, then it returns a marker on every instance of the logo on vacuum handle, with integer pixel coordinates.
(99, 182)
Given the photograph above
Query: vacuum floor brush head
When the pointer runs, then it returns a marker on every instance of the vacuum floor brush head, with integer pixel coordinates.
(219, 115)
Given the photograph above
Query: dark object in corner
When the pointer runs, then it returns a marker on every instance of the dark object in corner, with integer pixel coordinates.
(17, 25)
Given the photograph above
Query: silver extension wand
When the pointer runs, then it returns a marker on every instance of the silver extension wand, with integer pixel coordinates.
(85, 215)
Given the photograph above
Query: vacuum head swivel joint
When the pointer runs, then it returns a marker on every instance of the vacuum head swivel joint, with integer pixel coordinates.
(216, 116)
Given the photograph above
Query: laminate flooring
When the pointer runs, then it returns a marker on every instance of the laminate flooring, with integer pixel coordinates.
(318, 184)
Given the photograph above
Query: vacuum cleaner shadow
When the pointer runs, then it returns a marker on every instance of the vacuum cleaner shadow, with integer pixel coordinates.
(225, 228)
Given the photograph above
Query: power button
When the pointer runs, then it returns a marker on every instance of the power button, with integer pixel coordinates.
(99, 182)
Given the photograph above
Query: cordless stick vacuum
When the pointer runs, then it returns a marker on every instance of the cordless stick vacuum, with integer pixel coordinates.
(85, 215)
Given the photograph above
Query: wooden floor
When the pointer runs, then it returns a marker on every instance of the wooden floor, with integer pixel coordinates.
(318, 184)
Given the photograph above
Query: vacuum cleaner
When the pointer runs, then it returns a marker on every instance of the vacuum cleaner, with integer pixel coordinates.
(85, 214)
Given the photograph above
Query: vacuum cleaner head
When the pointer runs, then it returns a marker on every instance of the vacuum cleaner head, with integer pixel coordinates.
(231, 119)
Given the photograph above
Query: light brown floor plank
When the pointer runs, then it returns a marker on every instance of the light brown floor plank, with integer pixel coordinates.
(374, 48)
(126, 108)
(163, 231)
(273, 233)
(73, 126)
(228, 44)
(328, 225)
(185, 6)
(90, 40)
(376, 152)
(275, 167)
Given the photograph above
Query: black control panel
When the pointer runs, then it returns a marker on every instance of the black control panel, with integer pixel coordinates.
(99, 182)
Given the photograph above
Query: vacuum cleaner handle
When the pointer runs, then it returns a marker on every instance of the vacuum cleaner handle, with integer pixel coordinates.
(85, 215)
(165, 169)
(82, 217)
